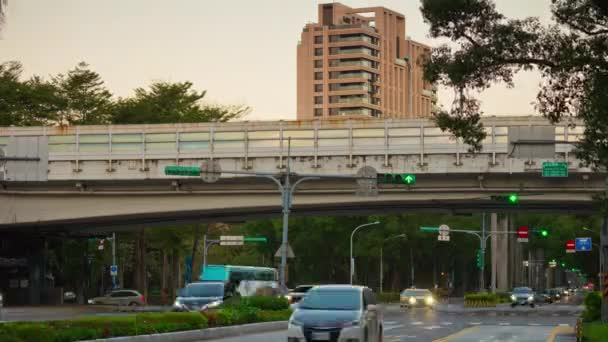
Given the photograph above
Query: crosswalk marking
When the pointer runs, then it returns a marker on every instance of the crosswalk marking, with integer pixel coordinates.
(475, 323)
(504, 323)
(446, 323)
(534, 324)
(416, 323)
(564, 325)
(391, 327)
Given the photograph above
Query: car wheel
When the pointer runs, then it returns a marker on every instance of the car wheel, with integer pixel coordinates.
(366, 335)
(532, 305)
(133, 304)
(513, 305)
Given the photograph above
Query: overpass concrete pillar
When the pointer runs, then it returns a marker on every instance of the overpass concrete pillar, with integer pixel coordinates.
(502, 261)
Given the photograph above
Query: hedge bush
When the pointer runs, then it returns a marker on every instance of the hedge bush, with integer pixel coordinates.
(593, 306)
(88, 328)
(480, 300)
(388, 297)
(595, 332)
(266, 302)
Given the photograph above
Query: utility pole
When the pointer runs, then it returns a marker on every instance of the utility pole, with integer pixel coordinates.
(482, 286)
(114, 259)
(412, 265)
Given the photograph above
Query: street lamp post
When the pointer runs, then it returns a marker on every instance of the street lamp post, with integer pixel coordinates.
(381, 257)
(352, 261)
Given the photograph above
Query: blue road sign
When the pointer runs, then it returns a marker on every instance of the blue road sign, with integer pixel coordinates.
(113, 270)
(583, 244)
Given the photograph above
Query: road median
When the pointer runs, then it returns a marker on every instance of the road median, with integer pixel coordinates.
(203, 334)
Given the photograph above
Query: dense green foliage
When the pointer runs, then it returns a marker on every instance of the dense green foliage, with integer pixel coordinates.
(80, 97)
(593, 306)
(100, 327)
(487, 47)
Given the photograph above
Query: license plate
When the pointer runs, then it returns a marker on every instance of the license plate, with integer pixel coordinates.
(320, 336)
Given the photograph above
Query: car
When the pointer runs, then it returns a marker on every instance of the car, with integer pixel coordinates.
(295, 295)
(120, 297)
(200, 296)
(69, 297)
(555, 294)
(1, 300)
(543, 298)
(410, 298)
(522, 296)
(338, 313)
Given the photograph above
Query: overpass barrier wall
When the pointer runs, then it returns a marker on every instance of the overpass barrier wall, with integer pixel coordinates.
(140, 148)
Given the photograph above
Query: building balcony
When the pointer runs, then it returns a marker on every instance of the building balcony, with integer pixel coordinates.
(353, 28)
(366, 51)
(351, 87)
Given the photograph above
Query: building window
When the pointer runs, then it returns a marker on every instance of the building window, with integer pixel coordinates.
(318, 75)
(318, 88)
(318, 63)
(318, 99)
(318, 39)
(319, 52)
(318, 111)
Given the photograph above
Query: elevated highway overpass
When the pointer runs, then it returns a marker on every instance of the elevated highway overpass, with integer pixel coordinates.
(99, 177)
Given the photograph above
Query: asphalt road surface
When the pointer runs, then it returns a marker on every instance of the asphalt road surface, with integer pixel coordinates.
(431, 325)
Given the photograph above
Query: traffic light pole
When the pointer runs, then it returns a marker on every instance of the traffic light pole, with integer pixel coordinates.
(483, 237)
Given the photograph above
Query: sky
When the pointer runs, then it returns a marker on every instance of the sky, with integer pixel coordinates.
(243, 52)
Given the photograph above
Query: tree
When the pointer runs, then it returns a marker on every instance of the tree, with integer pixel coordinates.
(87, 101)
(29, 103)
(571, 55)
(171, 103)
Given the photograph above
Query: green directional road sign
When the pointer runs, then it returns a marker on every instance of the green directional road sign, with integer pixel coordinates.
(429, 229)
(555, 169)
(254, 239)
(182, 171)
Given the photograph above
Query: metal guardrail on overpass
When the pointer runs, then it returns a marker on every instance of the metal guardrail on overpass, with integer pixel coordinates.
(142, 151)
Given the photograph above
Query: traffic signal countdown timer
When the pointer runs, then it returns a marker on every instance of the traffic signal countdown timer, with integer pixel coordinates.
(397, 178)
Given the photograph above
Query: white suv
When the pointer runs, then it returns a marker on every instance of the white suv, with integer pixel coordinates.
(337, 313)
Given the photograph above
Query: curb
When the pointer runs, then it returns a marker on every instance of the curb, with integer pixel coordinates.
(203, 334)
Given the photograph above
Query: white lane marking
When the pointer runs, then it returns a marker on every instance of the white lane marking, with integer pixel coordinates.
(504, 323)
(475, 323)
(409, 336)
(432, 327)
(534, 324)
(393, 327)
(564, 325)
(446, 323)
(390, 322)
(416, 323)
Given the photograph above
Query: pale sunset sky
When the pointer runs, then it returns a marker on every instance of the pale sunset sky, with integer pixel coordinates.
(240, 51)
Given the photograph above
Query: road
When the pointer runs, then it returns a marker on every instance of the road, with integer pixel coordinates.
(430, 325)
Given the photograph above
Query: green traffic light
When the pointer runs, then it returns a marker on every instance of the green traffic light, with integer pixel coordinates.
(513, 198)
(408, 179)
(544, 233)
(563, 264)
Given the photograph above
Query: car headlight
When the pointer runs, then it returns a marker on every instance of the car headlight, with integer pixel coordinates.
(513, 298)
(412, 300)
(295, 323)
(214, 304)
(429, 300)
(531, 298)
(90, 301)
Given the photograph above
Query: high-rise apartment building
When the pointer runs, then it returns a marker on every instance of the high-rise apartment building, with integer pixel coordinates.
(359, 62)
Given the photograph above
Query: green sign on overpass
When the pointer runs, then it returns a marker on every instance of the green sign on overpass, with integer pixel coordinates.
(182, 171)
(555, 169)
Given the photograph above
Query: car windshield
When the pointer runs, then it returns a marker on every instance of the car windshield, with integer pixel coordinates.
(332, 299)
(522, 290)
(416, 293)
(302, 289)
(204, 290)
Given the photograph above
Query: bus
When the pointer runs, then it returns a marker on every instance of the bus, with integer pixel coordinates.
(244, 280)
